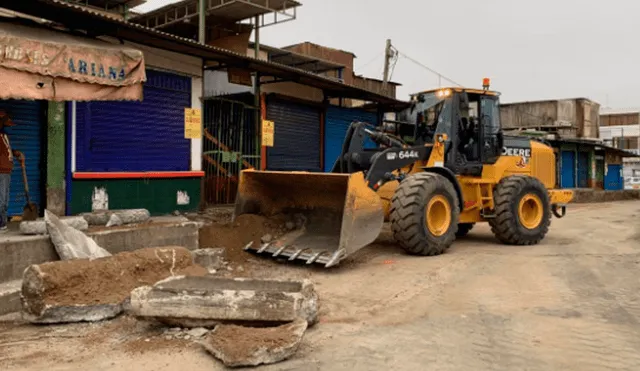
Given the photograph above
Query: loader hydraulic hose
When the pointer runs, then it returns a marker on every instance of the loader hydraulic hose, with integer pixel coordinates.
(384, 139)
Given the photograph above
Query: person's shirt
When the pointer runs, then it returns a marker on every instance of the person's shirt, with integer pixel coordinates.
(6, 154)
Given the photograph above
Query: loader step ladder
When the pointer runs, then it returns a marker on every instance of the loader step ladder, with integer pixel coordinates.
(484, 192)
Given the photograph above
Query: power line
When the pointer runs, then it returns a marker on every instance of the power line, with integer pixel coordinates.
(427, 68)
(370, 61)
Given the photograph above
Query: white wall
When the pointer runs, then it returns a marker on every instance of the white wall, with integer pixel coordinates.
(627, 131)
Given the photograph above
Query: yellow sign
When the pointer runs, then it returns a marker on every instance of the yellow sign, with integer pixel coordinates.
(268, 131)
(192, 123)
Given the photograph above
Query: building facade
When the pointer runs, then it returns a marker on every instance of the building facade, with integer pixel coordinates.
(135, 154)
(621, 129)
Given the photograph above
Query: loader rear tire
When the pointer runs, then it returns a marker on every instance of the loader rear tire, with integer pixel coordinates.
(424, 214)
(464, 229)
(522, 211)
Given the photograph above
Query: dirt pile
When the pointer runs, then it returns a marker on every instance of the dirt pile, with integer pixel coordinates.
(238, 346)
(234, 236)
(104, 282)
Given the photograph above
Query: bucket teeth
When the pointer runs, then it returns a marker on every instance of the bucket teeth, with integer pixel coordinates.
(309, 256)
(315, 257)
(263, 248)
(335, 258)
(279, 251)
(296, 254)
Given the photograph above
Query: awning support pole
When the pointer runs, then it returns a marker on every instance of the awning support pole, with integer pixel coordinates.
(202, 39)
(256, 90)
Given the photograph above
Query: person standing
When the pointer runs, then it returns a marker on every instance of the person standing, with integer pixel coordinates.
(7, 155)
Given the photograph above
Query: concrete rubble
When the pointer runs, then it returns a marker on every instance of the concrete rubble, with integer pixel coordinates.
(238, 346)
(92, 290)
(177, 333)
(212, 258)
(36, 227)
(117, 217)
(208, 301)
(71, 243)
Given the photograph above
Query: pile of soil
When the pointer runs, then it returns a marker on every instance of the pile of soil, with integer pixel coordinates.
(107, 280)
(234, 236)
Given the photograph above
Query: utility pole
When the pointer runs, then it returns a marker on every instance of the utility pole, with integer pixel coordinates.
(388, 54)
(202, 16)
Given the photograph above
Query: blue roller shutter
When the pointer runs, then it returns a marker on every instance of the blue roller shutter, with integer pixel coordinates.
(27, 138)
(583, 169)
(297, 137)
(613, 180)
(337, 122)
(136, 136)
(568, 179)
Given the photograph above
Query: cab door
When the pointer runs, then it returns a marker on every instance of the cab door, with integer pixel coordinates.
(490, 129)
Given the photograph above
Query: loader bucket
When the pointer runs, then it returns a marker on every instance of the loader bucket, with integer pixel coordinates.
(341, 214)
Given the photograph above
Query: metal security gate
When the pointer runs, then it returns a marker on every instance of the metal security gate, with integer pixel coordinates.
(337, 122)
(26, 137)
(568, 178)
(117, 136)
(297, 139)
(583, 169)
(230, 144)
(613, 179)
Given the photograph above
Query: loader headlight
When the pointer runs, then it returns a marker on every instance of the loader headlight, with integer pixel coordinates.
(444, 93)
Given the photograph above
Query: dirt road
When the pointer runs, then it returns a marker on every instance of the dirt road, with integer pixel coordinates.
(570, 303)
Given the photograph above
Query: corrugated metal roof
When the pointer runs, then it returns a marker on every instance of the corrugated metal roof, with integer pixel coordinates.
(74, 16)
(596, 143)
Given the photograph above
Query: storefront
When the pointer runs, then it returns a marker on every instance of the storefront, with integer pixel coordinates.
(42, 67)
(298, 135)
(27, 136)
(138, 154)
(336, 123)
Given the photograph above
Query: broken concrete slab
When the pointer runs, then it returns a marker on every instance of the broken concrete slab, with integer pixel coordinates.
(238, 346)
(71, 243)
(126, 216)
(10, 297)
(36, 227)
(207, 301)
(211, 259)
(92, 290)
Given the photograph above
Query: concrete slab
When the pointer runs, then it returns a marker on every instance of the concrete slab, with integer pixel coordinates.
(206, 301)
(17, 251)
(10, 297)
(92, 290)
(238, 346)
(211, 258)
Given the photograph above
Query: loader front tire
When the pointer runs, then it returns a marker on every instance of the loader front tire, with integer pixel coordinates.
(424, 214)
(522, 211)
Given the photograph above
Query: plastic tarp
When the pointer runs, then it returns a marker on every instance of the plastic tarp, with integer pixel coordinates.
(42, 63)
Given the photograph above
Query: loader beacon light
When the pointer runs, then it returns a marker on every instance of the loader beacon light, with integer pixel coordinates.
(486, 82)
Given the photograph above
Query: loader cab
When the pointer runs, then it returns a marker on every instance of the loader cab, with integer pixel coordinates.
(469, 117)
(478, 139)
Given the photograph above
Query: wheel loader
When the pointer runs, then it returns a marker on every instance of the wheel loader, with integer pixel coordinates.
(440, 167)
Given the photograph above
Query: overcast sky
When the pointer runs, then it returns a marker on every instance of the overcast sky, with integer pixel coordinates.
(531, 50)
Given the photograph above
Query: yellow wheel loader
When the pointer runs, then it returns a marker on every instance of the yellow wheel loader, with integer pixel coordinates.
(440, 167)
